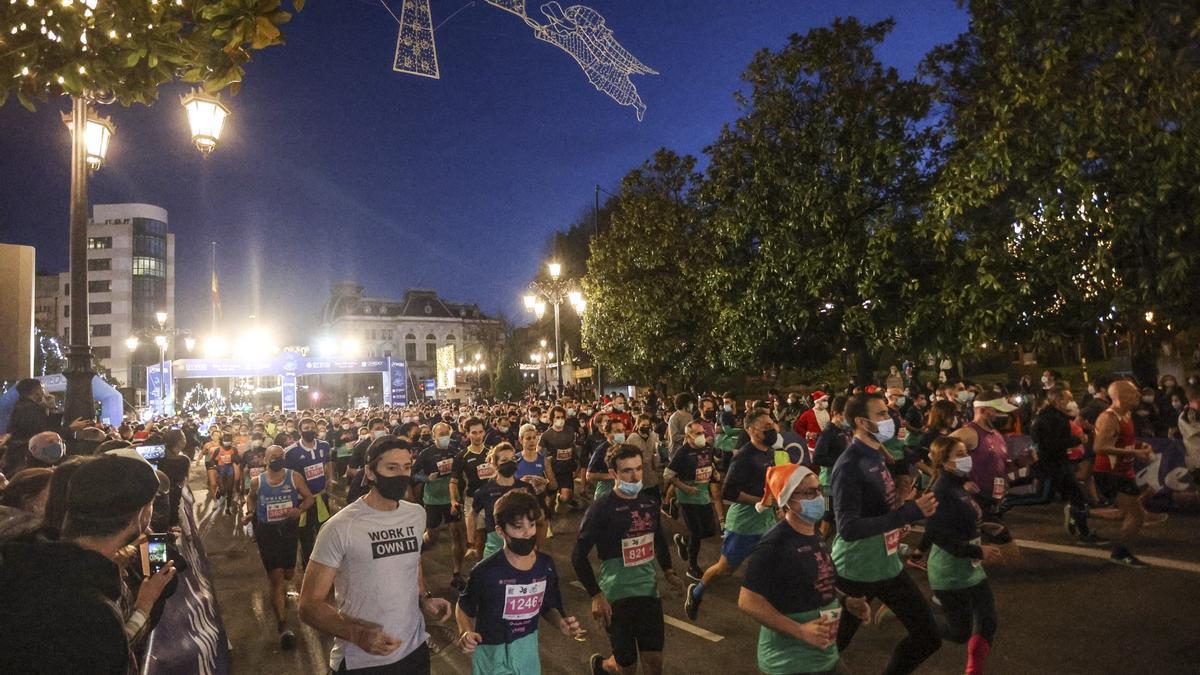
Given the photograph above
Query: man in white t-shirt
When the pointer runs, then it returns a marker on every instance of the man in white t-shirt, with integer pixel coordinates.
(369, 553)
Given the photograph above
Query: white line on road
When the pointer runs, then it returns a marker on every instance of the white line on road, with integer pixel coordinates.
(1099, 554)
(672, 621)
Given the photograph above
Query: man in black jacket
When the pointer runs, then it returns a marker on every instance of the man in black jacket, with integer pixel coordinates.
(1051, 433)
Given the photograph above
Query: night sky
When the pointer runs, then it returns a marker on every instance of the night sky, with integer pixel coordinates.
(334, 167)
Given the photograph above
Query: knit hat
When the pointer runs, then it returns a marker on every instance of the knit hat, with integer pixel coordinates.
(819, 396)
(111, 486)
(782, 481)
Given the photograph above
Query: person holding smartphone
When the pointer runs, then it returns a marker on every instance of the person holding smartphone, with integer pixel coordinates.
(274, 502)
(790, 586)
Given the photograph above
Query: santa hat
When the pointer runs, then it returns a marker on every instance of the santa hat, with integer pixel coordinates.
(871, 389)
(819, 396)
(782, 481)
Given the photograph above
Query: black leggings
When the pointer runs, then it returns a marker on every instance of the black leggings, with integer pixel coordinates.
(969, 611)
(1062, 480)
(903, 597)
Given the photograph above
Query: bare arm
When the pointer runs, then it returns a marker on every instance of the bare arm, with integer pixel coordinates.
(765, 613)
(315, 609)
(307, 498)
(1107, 429)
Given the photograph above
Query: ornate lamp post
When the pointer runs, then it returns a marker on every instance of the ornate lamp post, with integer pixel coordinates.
(555, 291)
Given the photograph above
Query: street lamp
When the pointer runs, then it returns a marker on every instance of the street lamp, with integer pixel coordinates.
(90, 138)
(161, 339)
(206, 115)
(555, 291)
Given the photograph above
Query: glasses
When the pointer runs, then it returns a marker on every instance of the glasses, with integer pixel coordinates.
(811, 493)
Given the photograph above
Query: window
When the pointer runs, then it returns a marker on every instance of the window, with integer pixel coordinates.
(148, 226)
(150, 287)
(149, 245)
(430, 347)
(102, 330)
(67, 290)
(387, 334)
(99, 242)
(410, 348)
(100, 286)
(98, 265)
(66, 311)
(371, 334)
(450, 338)
(99, 308)
(102, 352)
(145, 266)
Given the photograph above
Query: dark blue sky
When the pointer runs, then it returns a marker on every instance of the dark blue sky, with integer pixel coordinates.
(333, 167)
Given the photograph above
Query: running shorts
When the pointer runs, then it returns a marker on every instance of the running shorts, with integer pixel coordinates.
(277, 544)
(636, 626)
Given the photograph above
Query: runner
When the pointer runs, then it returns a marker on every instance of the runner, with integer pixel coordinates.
(1115, 451)
(436, 463)
(471, 468)
(831, 443)
(506, 594)
(790, 581)
(273, 504)
(644, 439)
(228, 463)
(532, 468)
(502, 459)
(870, 522)
(1052, 436)
(312, 459)
(690, 471)
(956, 558)
(623, 526)
(597, 468)
(989, 452)
(368, 555)
(560, 443)
(743, 487)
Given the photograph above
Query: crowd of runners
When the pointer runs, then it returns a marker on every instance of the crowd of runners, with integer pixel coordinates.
(810, 494)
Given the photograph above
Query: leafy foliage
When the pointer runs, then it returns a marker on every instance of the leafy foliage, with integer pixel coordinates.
(125, 49)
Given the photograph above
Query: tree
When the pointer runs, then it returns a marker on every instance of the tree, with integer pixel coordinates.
(643, 321)
(1077, 124)
(48, 358)
(127, 48)
(816, 191)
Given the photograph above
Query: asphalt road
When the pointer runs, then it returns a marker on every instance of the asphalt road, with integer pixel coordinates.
(1062, 611)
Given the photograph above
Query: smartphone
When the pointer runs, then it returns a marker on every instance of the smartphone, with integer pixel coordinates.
(154, 553)
(152, 453)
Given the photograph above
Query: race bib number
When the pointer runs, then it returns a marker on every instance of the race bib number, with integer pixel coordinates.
(891, 542)
(977, 542)
(485, 471)
(314, 471)
(564, 454)
(637, 550)
(277, 510)
(523, 601)
(444, 466)
(703, 473)
(999, 487)
(256, 471)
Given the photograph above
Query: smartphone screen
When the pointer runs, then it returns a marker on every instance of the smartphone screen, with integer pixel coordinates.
(156, 552)
(152, 453)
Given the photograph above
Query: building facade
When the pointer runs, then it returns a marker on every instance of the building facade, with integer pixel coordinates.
(410, 329)
(131, 277)
(17, 309)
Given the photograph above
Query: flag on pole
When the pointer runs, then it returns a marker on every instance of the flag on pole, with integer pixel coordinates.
(216, 291)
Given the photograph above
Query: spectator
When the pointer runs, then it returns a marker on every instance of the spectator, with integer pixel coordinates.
(86, 441)
(1146, 421)
(28, 491)
(56, 501)
(61, 595)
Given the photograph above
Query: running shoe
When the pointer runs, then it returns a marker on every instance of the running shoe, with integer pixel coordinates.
(691, 604)
(1069, 522)
(287, 640)
(918, 563)
(680, 546)
(597, 664)
(883, 614)
(458, 583)
(1126, 558)
(695, 573)
(1092, 539)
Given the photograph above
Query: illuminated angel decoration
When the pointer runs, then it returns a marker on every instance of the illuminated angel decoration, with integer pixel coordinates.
(577, 30)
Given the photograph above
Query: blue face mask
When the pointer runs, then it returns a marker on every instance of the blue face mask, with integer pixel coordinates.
(618, 438)
(812, 510)
(629, 489)
(887, 429)
(443, 442)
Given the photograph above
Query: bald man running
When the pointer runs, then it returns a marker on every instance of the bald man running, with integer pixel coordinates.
(1114, 474)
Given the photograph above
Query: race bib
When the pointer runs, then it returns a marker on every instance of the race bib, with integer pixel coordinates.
(977, 541)
(637, 550)
(485, 471)
(703, 473)
(999, 487)
(277, 510)
(523, 601)
(563, 454)
(444, 466)
(832, 616)
(314, 471)
(902, 433)
(891, 542)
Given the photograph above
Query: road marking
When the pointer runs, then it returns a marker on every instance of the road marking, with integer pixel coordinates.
(1099, 554)
(672, 621)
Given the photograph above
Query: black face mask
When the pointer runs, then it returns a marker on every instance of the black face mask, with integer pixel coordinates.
(709, 415)
(275, 464)
(308, 435)
(507, 469)
(521, 546)
(392, 487)
(769, 437)
(645, 432)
